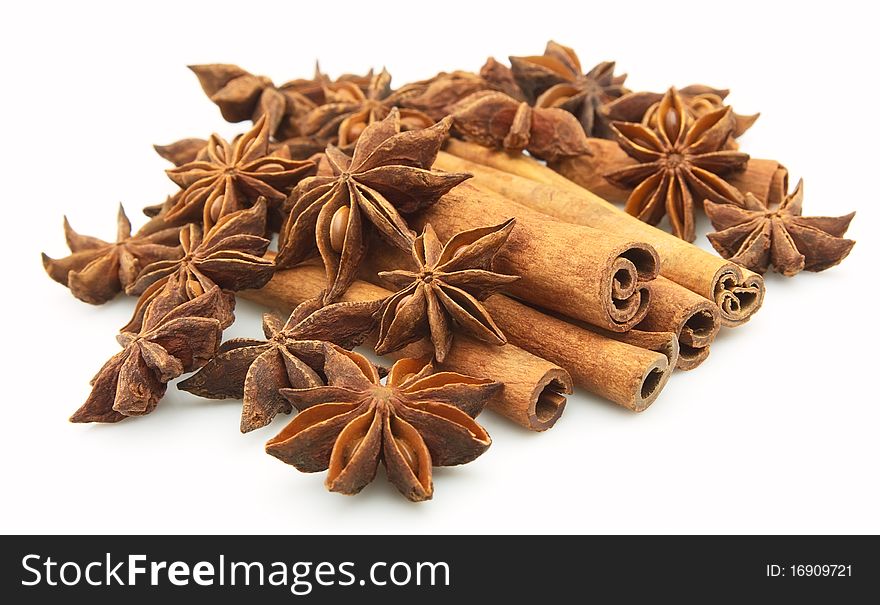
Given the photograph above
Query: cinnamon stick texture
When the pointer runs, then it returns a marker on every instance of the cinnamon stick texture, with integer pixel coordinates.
(534, 389)
(766, 179)
(737, 292)
(591, 275)
(694, 320)
(629, 368)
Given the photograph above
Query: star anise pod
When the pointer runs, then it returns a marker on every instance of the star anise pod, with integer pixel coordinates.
(348, 110)
(443, 294)
(758, 237)
(242, 96)
(168, 344)
(698, 101)
(290, 357)
(230, 256)
(389, 174)
(232, 177)
(183, 151)
(556, 79)
(500, 77)
(677, 162)
(416, 420)
(314, 88)
(493, 119)
(437, 95)
(97, 271)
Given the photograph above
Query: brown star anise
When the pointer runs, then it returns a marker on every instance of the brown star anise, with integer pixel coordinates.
(444, 292)
(416, 420)
(242, 96)
(500, 77)
(677, 162)
(437, 95)
(229, 256)
(168, 344)
(388, 174)
(556, 79)
(98, 270)
(232, 177)
(348, 110)
(493, 119)
(290, 357)
(758, 237)
(698, 101)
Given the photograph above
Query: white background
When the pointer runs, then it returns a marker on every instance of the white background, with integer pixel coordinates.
(776, 432)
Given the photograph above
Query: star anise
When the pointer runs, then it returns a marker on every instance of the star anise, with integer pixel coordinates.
(389, 174)
(98, 270)
(500, 77)
(348, 110)
(416, 420)
(443, 294)
(242, 96)
(437, 95)
(677, 162)
(493, 119)
(232, 177)
(698, 101)
(758, 237)
(230, 256)
(290, 357)
(556, 79)
(169, 344)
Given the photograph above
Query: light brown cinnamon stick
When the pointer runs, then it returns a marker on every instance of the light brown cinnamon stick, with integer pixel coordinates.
(737, 292)
(584, 273)
(629, 368)
(534, 389)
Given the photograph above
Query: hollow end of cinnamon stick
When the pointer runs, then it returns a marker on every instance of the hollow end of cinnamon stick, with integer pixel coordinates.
(548, 400)
(739, 293)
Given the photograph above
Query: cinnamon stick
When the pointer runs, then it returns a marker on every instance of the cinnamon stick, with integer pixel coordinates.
(584, 273)
(766, 179)
(694, 320)
(737, 292)
(629, 368)
(534, 388)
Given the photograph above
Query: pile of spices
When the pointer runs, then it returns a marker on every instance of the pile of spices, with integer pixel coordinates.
(462, 226)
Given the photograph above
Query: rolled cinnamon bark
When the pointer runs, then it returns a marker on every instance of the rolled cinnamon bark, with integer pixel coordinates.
(766, 179)
(629, 368)
(737, 292)
(694, 320)
(584, 273)
(534, 389)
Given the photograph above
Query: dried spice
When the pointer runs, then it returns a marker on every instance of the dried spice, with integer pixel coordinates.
(493, 119)
(759, 237)
(97, 271)
(183, 151)
(437, 95)
(677, 162)
(168, 344)
(698, 101)
(556, 79)
(230, 256)
(242, 96)
(290, 357)
(443, 294)
(416, 420)
(500, 77)
(388, 174)
(348, 110)
(528, 182)
(232, 176)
